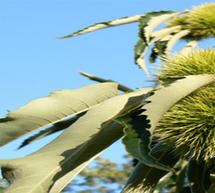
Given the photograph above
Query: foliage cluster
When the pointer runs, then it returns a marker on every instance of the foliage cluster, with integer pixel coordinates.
(168, 128)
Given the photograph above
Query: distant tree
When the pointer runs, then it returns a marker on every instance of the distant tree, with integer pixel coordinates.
(103, 176)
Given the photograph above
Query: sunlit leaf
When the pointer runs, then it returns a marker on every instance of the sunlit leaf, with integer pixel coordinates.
(59, 126)
(97, 26)
(72, 150)
(166, 97)
(151, 20)
(174, 39)
(139, 126)
(58, 106)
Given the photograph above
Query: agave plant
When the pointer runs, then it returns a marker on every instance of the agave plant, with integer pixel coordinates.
(168, 128)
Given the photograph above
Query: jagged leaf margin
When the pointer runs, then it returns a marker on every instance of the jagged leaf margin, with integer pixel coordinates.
(84, 139)
(56, 107)
(141, 124)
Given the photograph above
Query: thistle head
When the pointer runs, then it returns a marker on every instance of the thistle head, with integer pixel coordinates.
(200, 22)
(188, 127)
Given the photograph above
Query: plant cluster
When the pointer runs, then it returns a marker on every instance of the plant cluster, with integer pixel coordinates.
(168, 128)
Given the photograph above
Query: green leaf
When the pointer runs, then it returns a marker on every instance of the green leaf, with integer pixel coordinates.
(158, 50)
(50, 130)
(166, 97)
(137, 139)
(72, 150)
(60, 161)
(141, 124)
(97, 26)
(147, 24)
(174, 182)
(145, 178)
(58, 106)
(64, 181)
(151, 20)
(139, 49)
(174, 40)
(198, 175)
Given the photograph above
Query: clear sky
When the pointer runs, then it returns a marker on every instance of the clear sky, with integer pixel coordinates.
(34, 63)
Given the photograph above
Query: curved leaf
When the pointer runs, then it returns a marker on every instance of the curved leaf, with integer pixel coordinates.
(54, 108)
(158, 50)
(165, 97)
(50, 130)
(142, 47)
(102, 25)
(137, 138)
(149, 22)
(141, 124)
(174, 39)
(84, 139)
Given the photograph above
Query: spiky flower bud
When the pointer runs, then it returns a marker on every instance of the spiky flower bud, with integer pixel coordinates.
(189, 126)
(200, 22)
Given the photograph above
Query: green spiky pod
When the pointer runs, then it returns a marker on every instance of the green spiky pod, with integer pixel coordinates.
(200, 22)
(188, 128)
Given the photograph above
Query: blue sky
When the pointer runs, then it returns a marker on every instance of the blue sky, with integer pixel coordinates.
(34, 63)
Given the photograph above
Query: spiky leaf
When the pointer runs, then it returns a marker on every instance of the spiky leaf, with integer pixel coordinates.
(158, 50)
(84, 139)
(150, 21)
(140, 126)
(174, 39)
(50, 130)
(54, 108)
(137, 139)
(166, 97)
(97, 26)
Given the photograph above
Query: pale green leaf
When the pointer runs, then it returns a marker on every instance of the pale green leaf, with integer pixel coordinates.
(164, 32)
(142, 47)
(54, 108)
(97, 26)
(84, 139)
(155, 21)
(141, 123)
(50, 130)
(64, 181)
(174, 40)
(148, 22)
(166, 97)
(146, 26)
(137, 139)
